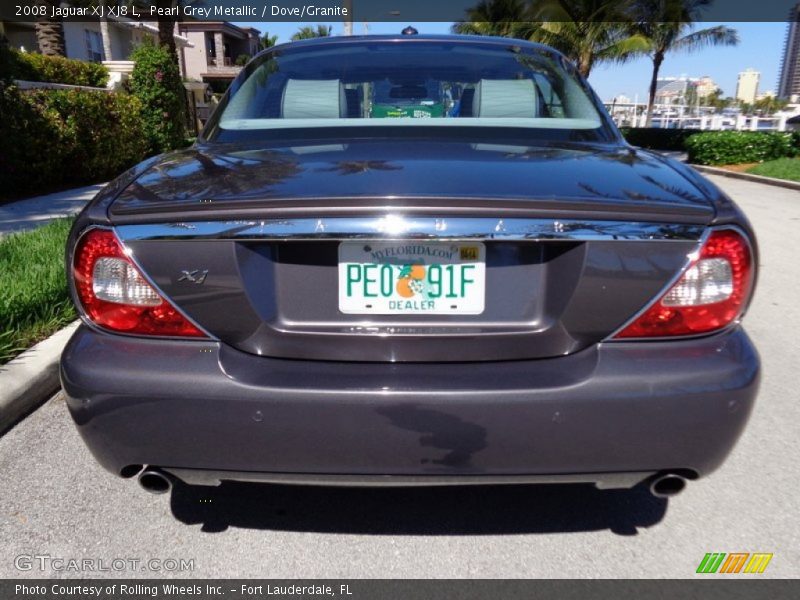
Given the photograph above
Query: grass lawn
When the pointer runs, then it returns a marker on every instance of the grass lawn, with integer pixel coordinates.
(782, 168)
(34, 301)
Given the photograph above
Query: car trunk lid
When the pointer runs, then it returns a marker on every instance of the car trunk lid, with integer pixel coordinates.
(575, 242)
(368, 176)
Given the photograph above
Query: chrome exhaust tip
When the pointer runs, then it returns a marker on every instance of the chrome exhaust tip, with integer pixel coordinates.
(155, 481)
(667, 485)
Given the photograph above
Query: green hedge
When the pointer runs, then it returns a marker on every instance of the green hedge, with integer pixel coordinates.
(654, 138)
(717, 147)
(52, 138)
(736, 147)
(29, 66)
(156, 81)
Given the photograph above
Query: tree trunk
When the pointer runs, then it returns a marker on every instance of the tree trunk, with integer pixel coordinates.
(584, 64)
(166, 29)
(50, 34)
(658, 58)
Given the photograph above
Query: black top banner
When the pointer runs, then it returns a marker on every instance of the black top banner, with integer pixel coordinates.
(331, 11)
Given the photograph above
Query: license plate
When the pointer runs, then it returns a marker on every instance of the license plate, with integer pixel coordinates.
(412, 278)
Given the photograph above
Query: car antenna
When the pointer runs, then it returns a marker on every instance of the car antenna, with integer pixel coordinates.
(409, 31)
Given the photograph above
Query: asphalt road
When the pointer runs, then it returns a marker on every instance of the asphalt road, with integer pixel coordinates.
(54, 499)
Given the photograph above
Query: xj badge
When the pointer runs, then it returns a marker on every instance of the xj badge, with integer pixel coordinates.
(196, 276)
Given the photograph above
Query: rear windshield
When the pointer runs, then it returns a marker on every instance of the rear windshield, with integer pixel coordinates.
(408, 84)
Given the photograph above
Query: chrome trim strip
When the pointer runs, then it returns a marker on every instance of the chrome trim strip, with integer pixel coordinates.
(413, 227)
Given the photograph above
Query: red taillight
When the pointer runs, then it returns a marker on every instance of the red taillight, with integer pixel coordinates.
(114, 294)
(711, 293)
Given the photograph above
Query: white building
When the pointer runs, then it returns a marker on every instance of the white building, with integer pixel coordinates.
(83, 40)
(705, 86)
(215, 49)
(207, 51)
(747, 86)
(669, 89)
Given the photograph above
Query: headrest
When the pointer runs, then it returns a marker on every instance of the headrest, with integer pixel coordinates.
(313, 99)
(506, 98)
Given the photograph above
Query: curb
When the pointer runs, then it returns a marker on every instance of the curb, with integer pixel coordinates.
(792, 185)
(31, 378)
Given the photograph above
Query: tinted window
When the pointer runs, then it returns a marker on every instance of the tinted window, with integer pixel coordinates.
(435, 83)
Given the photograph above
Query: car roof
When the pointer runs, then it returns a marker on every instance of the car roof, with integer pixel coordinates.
(483, 40)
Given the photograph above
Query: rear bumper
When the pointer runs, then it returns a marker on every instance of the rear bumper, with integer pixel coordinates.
(613, 413)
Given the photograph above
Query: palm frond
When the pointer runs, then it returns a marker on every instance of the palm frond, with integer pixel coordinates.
(586, 41)
(712, 36)
(504, 18)
(624, 49)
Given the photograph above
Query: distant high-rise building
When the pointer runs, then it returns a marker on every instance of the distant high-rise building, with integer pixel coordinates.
(789, 84)
(676, 89)
(670, 88)
(747, 86)
(705, 86)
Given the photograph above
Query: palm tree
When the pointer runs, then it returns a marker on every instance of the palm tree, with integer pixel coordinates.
(586, 31)
(267, 40)
(717, 102)
(50, 32)
(589, 31)
(504, 18)
(307, 32)
(166, 28)
(769, 105)
(667, 26)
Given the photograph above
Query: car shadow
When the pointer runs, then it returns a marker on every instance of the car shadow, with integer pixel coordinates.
(461, 510)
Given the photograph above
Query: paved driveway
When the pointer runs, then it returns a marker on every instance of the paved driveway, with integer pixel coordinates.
(55, 500)
(30, 213)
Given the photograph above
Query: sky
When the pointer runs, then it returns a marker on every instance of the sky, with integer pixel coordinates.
(760, 48)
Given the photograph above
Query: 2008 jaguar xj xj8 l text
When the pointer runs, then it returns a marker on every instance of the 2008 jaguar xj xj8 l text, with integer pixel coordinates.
(411, 260)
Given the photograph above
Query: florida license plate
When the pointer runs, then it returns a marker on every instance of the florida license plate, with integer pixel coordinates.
(413, 278)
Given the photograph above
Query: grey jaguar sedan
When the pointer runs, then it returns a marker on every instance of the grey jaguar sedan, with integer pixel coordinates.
(411, 260)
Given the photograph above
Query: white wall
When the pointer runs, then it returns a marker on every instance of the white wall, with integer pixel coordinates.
(196, 63)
